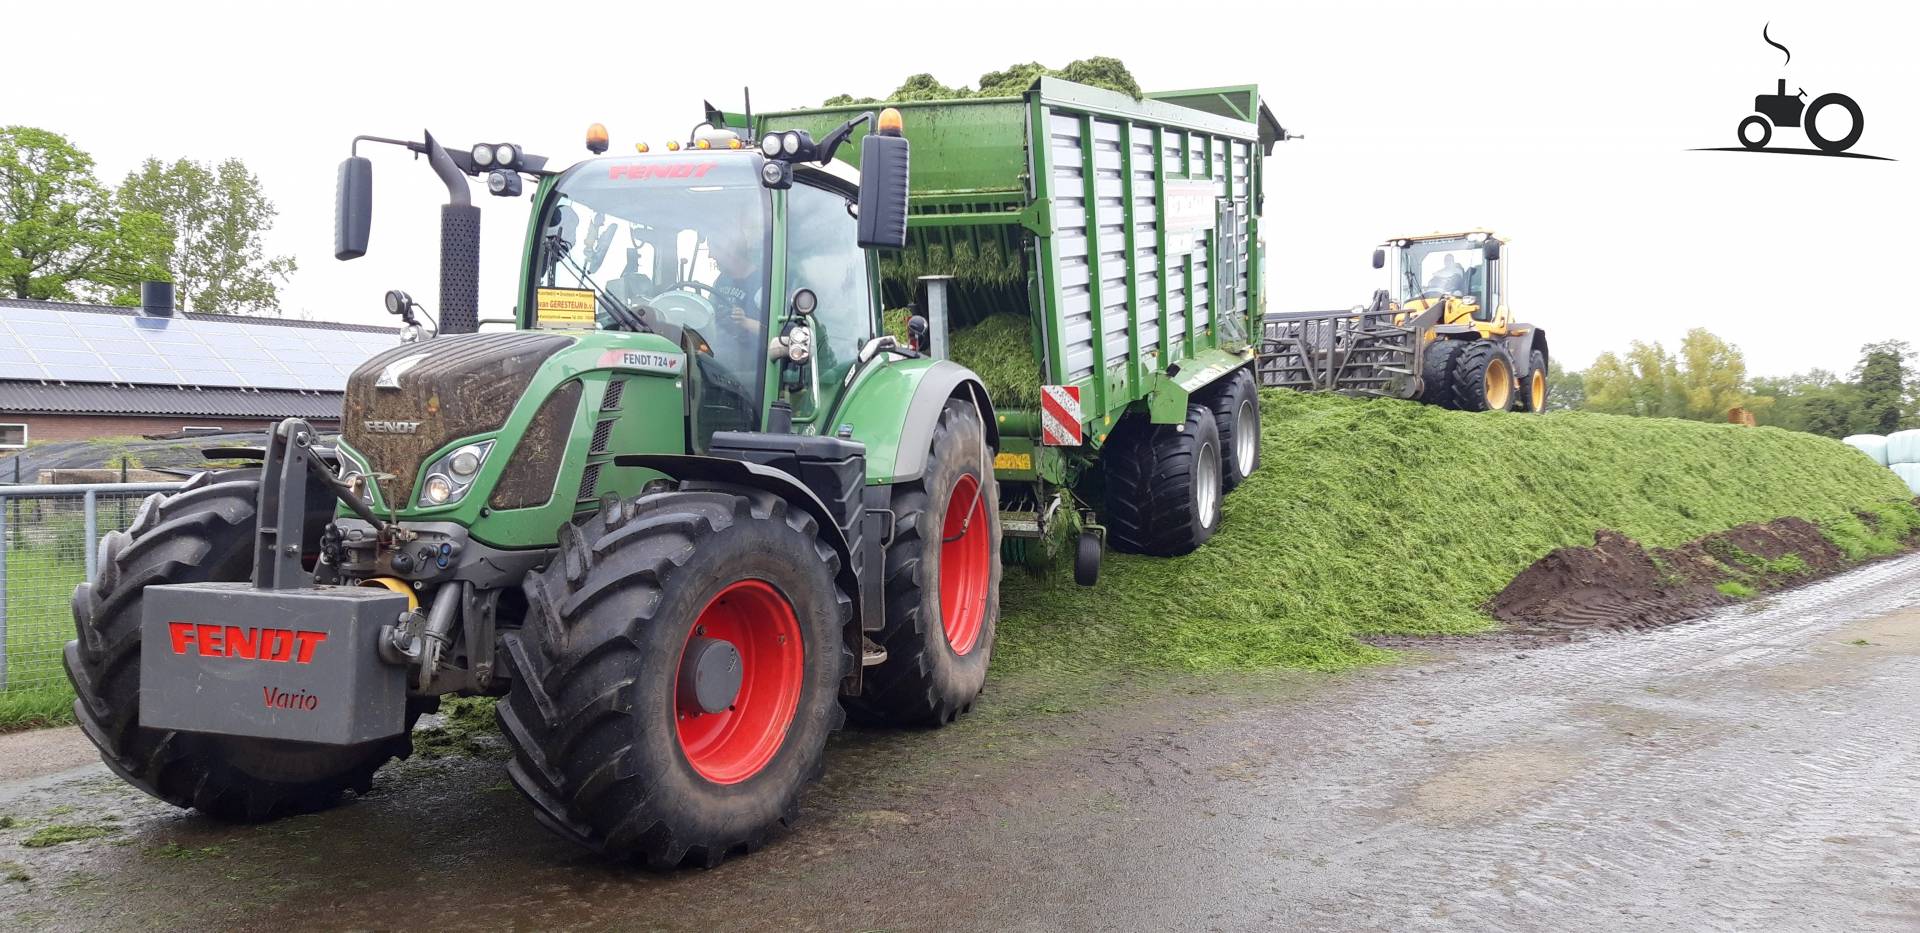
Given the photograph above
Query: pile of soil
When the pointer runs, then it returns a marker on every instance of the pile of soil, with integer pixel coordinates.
(1619, 585)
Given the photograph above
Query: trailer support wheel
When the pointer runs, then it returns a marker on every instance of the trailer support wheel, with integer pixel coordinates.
(677, 675)
(1163, 484)
(942, 582)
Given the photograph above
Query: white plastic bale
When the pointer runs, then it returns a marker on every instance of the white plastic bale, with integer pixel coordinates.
(1873, 445)
(1911, 473)
(1903, 447)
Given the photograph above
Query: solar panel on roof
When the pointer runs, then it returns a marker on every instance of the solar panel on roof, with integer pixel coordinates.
(84, 346)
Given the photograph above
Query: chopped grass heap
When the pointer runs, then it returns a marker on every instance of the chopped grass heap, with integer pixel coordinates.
(1382, 516)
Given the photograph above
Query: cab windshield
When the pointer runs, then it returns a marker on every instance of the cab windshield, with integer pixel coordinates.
(676, 245)
(1441, 268)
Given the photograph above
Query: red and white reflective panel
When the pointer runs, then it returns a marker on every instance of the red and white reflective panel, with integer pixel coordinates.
(1060, 416)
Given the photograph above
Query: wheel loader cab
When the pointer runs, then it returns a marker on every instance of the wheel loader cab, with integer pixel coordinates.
(1463, 271)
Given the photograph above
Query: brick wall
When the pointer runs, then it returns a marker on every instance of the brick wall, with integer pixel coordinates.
(87, 427)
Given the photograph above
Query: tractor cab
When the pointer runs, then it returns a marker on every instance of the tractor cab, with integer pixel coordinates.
(1462, 273)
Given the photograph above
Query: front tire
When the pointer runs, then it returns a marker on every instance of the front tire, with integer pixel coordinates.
(1534, 396)
(203, 533)
(1163, 484)
(1483, 379)
(1438, 366)
(942, 582)
(677, 675)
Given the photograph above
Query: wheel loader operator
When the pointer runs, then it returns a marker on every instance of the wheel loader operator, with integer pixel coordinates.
(1450, 278)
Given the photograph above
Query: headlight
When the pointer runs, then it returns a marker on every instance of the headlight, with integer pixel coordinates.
(482, 155)
(466, 461)
(451, 477)
(790, 141)
(770, 146)
(504, 155)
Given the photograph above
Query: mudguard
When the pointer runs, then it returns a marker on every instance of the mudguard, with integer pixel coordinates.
(893, 410)
(1521, 346)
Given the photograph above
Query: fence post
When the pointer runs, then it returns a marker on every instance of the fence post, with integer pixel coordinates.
(92, 531)
(3, 594)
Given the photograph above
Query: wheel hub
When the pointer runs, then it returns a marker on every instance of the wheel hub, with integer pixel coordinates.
(710, 675)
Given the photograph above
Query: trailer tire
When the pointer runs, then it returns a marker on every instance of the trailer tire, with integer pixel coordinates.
(615, 747)
(1438, 369)
(940, 625)
(203, 533)
(1483, 378)
(1533, 397)
(1236, 416)
(1163, 484)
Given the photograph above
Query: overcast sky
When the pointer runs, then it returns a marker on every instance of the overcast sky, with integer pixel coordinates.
(1564, 126)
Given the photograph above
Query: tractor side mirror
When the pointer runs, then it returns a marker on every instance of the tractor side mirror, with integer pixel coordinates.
(353, 208)
(1491, 250)
(1379, 259)
(883, 192)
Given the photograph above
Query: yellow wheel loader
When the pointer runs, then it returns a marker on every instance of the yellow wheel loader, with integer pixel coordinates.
(1441, 332)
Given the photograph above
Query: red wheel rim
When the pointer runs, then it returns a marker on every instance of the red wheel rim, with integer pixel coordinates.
(964, 565)
(734, 744)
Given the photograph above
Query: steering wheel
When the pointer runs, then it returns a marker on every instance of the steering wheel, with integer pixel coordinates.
(684, 308)
(693, 285)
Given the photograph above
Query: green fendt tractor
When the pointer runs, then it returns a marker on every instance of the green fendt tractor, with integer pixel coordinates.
(696, 337)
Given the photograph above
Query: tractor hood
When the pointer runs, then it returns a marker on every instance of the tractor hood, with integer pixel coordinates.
(404, 404)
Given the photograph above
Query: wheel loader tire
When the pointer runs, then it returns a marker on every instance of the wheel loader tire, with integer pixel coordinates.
(1533, 398)
(203, 533)
(942, 583)
(1236, 416)
(677, 674)
(1483, 378)
(1163, 484)
(1438, 370)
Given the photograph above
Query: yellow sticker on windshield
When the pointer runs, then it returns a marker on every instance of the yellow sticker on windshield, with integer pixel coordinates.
(563, 307)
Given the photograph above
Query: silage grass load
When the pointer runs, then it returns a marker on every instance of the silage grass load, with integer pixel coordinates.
(998, 349)
(1383, 516)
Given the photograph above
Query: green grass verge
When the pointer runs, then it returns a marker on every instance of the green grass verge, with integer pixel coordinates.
(1382, 516)
(38, 623)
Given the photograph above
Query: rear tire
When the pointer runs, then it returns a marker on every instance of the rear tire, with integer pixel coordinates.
(1533, 395)
(1438, 369)
(203, 533)
(608, 743)
(942, 583)
(1236, 416)
(1483, 379)
(1163, 484)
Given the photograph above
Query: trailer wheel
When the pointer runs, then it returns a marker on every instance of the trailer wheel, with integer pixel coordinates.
(1236, 416)
(942, 583)
(1534, 399)
(1163, 484)
(1483, 378)
(1438, 369)
(677, 675)
(203, 533)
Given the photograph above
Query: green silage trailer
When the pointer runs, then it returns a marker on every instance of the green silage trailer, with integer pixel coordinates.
(1126, 234)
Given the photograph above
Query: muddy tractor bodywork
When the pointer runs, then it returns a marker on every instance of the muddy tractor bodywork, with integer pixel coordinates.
(673, 517)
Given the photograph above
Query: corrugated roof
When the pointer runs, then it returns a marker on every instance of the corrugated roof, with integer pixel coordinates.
(72, 343)
(27, 397)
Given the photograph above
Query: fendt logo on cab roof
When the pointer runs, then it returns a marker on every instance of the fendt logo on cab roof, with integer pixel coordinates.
(278, 645)
(641, 171)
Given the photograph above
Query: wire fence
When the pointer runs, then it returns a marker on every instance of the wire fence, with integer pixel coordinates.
(49, 536)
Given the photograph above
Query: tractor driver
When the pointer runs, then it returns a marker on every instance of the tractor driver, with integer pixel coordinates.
(1450, 279)
(736, 291)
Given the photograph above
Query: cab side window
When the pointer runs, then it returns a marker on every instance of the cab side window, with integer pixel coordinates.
(824, 255)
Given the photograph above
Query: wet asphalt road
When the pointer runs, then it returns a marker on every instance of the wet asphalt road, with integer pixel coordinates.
(1759, 769)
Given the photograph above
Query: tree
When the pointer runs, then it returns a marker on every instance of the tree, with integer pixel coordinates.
(1609, 385)
(1882, 380)
(1712, 376)
(216, 215)
(60, 235)
(1566, 389)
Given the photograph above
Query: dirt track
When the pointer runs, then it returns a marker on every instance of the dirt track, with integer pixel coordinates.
(1759, 769)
